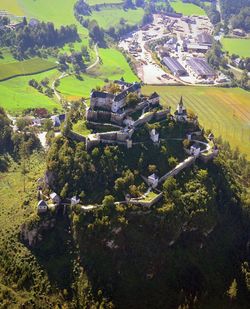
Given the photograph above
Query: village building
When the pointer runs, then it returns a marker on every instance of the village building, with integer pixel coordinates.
(55, 198)
(181, 112)
(174, 66)
(205, 38)
(195, 150)
(42, 207)
(74, 200)
(154, 98)
(239, 32)
(154, 136)
(153, 180)
(58, 119)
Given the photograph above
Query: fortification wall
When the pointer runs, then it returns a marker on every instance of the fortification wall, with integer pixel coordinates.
(76, 137)
(146, 118)
(178, 168)
(161, 114)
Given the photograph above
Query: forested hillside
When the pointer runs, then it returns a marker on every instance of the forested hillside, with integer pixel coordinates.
(232, 8)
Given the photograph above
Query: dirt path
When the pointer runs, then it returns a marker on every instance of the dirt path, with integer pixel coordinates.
(63, 75)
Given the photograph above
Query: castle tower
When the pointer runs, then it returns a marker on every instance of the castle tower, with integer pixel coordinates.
(181, 113)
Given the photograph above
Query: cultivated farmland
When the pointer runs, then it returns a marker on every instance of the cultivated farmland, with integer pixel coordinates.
(224, 110)
(187, 8)
(27, 67)
(239, 47)
(112, 16)
(11, 6)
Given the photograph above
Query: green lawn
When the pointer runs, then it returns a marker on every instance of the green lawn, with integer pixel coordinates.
(239, 47)
(31, 66)
(111, 17)
(187, 8)
(114, 66)
(225, 111)
(16, 95)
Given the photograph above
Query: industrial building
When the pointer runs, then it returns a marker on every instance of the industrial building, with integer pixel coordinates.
(194, 47)
(201, 68)
(205, 38)
(174, 66)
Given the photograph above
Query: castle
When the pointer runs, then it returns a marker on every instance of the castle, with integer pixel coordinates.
(114, 102)
(113, 108)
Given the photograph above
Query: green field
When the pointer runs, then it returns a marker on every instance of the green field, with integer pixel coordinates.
(11, 6)
(111, 17)
(58, 11)
(186, 8)
(16, 95)
(225, 111)
(27, 67)
(94, 2)
(239, 47)
(113, 66)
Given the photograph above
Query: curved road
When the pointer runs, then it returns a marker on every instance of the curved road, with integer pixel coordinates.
(63, 75)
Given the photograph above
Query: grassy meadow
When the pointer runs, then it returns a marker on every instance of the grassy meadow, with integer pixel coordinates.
(113, 66)
(27, 67)
(58, 11)
(111, 17)
(186, 8)
(16, 94)
(225, 111)
(239, 47)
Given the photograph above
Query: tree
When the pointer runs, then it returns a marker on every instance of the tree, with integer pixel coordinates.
(139, 3)
(186, 143)
(22, 123)
(132, 100)
(48, 125)
(152, 168)
(232, 291)
(122, 184)
(45, 82)
(172, 162)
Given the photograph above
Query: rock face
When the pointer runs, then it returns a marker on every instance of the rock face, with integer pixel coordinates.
(32, 234)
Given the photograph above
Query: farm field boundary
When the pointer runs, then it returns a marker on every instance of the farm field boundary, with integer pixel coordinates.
(226, 111)
(25, 68)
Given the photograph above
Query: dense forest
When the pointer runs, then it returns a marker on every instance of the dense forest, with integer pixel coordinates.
(193, 244)
(242, 20)
(232, 7)
(190, 250)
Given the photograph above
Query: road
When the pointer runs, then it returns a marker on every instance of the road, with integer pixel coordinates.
(237, 69)
(63, 75)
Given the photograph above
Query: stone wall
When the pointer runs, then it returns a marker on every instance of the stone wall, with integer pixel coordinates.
(104, 116)
(178, 168)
